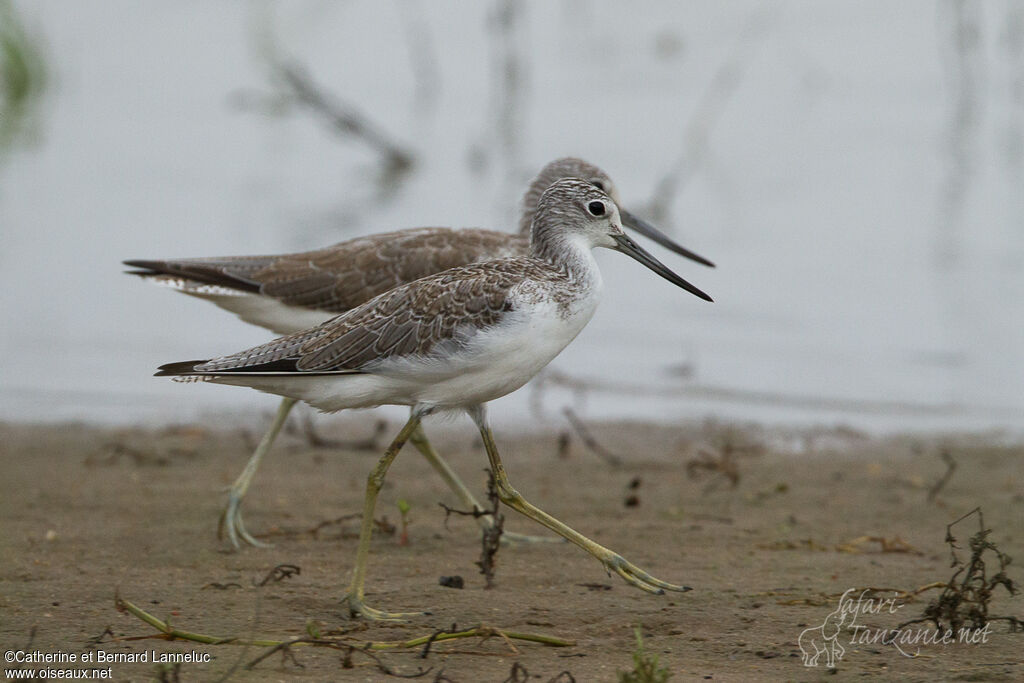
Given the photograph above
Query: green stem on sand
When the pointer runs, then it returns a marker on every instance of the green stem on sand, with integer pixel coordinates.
(481, 631)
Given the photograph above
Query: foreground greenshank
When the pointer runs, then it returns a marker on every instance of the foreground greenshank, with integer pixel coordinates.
(292, 292)
(454, 341)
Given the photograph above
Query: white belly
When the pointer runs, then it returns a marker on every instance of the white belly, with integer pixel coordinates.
(507, 356)
(269, 313)
(254, 309)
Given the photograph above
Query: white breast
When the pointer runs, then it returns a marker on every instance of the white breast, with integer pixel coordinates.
(501, 359)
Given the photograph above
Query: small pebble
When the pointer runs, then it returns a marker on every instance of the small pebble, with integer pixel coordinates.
(452, 581)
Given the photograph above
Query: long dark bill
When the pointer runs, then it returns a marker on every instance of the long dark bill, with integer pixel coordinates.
(651, 232)
(630, 248)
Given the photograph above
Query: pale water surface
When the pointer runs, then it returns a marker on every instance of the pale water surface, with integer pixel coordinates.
(854, 168)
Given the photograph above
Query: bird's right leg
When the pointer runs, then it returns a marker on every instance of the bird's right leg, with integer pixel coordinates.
(231, 523)
(441, 466)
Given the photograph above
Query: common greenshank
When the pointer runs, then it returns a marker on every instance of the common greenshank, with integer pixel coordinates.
(292, 292)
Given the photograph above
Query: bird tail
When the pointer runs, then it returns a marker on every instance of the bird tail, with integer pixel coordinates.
(183, 371)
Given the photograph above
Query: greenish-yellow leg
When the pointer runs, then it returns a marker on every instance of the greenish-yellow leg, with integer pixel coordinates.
(354, 597)
(233, 526)
(422, 444)
(231, 519)
(613, 562)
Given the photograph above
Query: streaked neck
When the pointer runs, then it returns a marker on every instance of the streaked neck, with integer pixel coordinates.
(566, 251)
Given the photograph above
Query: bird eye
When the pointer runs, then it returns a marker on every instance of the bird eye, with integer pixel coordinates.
(596, 208)
(598, 184)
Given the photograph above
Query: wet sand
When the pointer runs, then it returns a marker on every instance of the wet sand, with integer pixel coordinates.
(88, 513)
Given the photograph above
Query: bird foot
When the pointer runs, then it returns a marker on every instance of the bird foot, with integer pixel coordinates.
(615, 563)
(357, 608)
(232, 525)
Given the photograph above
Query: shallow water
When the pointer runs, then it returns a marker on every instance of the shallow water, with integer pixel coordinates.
(855, 175)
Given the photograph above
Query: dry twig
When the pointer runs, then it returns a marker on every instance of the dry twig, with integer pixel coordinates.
(966, 596)
(381, 526)
(944, 479)
(316, 440)
(167, 632)
(279, 573)
(491, 541)
(588, 439)
(887, 545)
(727, 447)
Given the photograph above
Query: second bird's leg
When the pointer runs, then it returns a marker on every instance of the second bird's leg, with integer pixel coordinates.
(231, 522)
(422, 444)
(612, 561)
(354, 597)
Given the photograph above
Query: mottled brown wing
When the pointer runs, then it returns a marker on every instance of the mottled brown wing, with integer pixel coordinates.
(350, 273)
(410, 320)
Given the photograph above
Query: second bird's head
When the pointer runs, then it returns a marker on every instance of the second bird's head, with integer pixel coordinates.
(575, 210)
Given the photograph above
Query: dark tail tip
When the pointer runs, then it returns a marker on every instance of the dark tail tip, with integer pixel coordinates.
(186, 367)
(144, 268)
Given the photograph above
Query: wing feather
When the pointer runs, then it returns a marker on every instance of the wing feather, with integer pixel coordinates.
(345, 275)
(412, 320)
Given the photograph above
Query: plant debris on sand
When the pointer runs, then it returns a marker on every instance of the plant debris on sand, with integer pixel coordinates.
(78, 527)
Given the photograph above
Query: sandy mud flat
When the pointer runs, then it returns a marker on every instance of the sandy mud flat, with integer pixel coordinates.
(770, 530)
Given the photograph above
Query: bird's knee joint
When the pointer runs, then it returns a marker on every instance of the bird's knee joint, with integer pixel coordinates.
(507, 494)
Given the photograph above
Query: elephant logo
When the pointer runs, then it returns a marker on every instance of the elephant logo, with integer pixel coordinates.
(823, 639)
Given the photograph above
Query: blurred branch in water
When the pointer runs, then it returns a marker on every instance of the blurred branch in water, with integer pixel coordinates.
(422, 57)
(1012, 42)
(1013, 137)
(710, 108)
(507, 22)
(22, 79)
(344, 118)
(962, 58)
(502, 140)
(295, 87)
